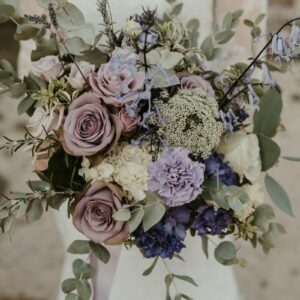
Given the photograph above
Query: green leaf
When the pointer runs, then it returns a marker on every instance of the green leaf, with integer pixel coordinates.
(80, 247)
(207, 46)
(4, 213)
(227, 21)
(25, 105)
(177, 9)
(270, 238)
(18, 89)
(39, 185)
(122, 215)
(72, 296)
(82, 270)
(168, 281)
(28, 31)
(151, 268)
(70, 16)
(259, 18)
(136, 219)
(68, 285)
(154, 211)
(186, 279)
(225, 253)
(6, 12)
(44, 47)
(278, 195)
(56, 3)
(76, 46)
(100, 252)
(84, 290)
(34, 211)
(224, 36)
(256, 32)
(267, 119)
(205, 245)
(262, 216)
(295, 159)
(248, 22)
(269, 152)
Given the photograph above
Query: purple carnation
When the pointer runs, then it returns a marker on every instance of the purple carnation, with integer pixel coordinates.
(175, 177)
(210, 221)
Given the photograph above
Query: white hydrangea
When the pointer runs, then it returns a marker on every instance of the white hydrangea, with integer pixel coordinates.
(256, 198)
(127, 166)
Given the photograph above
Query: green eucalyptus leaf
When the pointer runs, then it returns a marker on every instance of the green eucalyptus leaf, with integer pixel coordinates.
(76, 45)
(154, 211)
(122, 215)
(226, 253)
(72, 296)
(68, 285)
(8, 224)
(94, 57)
(25, 105)
(177, 9)
(151, 268)
(269, 152)
(45, 47)
(18, 89)
(207, 47)
(85, 32)
(227, 21)
(6, 12)
(270, 238)
(259, 18)
(82, 270)
(205, 245)
(79, 247)
(186, 279)
(262, 216)
(278, 195)
(100, 252)
(84, 289)
(290, 158)
(70, 16)
(39, 185)
(136, 219)
(248, 22)
(34, 211)
(28, 31)
(5, 65)
(224, 36)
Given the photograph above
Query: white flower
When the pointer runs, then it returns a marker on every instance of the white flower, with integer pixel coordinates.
(48, 67)
(256, 198)
(42, 122)
(132, 28)
(242, 152)
(75, 77)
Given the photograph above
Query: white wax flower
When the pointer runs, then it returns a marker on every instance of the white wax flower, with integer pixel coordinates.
(132, 28)
(242, 152)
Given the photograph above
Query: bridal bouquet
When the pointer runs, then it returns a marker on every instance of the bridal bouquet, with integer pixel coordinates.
(143, 139)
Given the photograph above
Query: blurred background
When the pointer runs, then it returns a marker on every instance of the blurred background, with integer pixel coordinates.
(30, 263)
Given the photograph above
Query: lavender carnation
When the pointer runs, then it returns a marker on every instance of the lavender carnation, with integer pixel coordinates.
(175, 177)
(210, 221)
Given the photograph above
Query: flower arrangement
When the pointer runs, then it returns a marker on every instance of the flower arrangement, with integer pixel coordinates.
(143, 139)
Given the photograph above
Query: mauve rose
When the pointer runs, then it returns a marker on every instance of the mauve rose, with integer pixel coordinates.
(76, 80)
(42, 122)
(129, 123)
(93, 214)
(190, 81)
(89, 127)
(47, 67)
(118, 82)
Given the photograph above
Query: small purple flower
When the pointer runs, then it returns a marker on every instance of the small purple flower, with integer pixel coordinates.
(233, 121)
(280, 48)
(148, 38)
(267, 77)
(215, 166)
(175, 177)
(253, 97)
(210, 221)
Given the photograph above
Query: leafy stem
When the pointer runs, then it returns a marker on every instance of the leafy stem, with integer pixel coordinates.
(225, 100)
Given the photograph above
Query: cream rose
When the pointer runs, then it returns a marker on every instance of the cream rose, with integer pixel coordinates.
(75, 78)
(242, 152)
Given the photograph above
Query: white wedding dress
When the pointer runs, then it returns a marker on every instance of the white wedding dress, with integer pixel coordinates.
(215, 282)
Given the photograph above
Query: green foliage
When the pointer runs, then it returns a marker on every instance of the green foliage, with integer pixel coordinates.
(290, 158)
(34, 211)
(82, 270)
(69, 16)
(151, 268)
(154, 211)
(7, 10)
(29, 31)
(269, 152)
(226, 253)
(83, 289)
(69, 285)
(25, 105)
(193, 27)
(254, 25)
(278, 195)
(262, 216)
(122, 215)
(100, 252)
(267, 119)
(44, 47)
(205, 245)
(79, 247)
(136, 219)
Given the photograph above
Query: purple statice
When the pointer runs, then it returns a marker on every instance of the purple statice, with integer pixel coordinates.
(175, 177)
(211, 221)
(165, 238)
(216, 166)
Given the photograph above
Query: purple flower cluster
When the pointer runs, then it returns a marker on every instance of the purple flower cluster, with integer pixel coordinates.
(166, 238)
(215, 166)
(210, 221)
(175, 177)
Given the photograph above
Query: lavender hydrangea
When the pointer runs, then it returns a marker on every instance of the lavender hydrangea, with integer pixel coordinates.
(175, 177)
(215, 166)
(166, 238)
(211, 221)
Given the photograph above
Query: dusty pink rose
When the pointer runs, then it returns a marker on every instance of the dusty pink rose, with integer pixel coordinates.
(129, 123)
(89, 127)
(118, 82)
(47, 67)
(93, 214)
(190, 81)
(42, 122)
